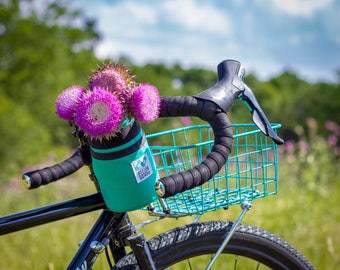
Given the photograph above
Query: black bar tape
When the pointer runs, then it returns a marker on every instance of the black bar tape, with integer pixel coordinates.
(55, 172)
(221, 126)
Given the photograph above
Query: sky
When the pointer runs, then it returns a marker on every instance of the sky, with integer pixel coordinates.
(266, 36)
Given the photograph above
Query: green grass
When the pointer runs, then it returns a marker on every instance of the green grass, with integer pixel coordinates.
(304, 212)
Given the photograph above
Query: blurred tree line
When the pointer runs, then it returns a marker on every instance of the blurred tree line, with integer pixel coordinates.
(47, 49)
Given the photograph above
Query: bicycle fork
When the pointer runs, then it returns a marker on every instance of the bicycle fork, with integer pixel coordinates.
(112, 230)
(137, 242)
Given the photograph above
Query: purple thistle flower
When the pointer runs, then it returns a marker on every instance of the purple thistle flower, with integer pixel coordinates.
(67, 102)
(99, 113)
(110, 79)
(115, 79)
(145, 103)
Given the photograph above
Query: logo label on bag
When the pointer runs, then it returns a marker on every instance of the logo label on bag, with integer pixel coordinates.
(142, 168)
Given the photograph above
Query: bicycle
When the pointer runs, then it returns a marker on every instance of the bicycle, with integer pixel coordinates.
(197, 173)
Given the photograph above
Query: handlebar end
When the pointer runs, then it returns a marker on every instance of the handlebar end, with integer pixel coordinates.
(26, 181)
(160, 189)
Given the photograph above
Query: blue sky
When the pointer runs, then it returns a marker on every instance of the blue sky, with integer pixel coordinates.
(267, 36)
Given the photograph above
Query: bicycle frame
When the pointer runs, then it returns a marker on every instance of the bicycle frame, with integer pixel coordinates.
(109, 226)
(50, 213)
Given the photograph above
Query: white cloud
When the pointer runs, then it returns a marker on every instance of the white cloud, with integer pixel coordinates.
(196, 16)
(128, 28)
(125, 18)
(169, 31)
(202, 33)
(301, 7)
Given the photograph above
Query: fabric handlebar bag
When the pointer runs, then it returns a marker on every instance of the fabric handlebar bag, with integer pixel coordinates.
(125, 169)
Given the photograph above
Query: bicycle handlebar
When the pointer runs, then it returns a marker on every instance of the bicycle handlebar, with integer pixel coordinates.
(37, 178)
(210, 105)
(211, 113)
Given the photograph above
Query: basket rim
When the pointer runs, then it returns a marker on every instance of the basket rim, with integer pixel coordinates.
(151, 135)
(208, 142)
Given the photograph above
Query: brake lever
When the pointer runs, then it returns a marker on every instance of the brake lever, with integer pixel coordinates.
(229, 87)
(258, 115)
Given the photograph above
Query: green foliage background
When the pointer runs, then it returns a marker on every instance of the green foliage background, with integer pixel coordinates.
(45, 50)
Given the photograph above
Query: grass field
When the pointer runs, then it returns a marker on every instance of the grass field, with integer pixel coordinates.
(304, 212)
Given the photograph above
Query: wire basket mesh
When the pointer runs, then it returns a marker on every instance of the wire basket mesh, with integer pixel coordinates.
(251, 171)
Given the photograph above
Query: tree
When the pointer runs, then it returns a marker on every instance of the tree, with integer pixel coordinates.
(43, 50)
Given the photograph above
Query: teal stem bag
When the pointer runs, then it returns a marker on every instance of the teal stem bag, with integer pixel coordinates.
(125, 169)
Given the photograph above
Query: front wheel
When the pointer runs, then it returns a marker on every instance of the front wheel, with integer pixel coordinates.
(192, 247)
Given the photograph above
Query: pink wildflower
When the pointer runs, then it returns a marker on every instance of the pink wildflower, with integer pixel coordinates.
(289, 146)
(67, 102)
(186, 121)
(330, 125)
(99, 113)
(333, 140)
(145, 103)
(303, 146)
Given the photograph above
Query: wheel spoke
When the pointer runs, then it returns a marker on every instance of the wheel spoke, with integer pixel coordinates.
(189, 263)
(235, 263)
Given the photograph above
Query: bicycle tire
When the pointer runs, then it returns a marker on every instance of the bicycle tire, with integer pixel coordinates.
(186, 242)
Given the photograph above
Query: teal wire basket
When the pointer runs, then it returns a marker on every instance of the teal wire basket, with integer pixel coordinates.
(251, 171)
